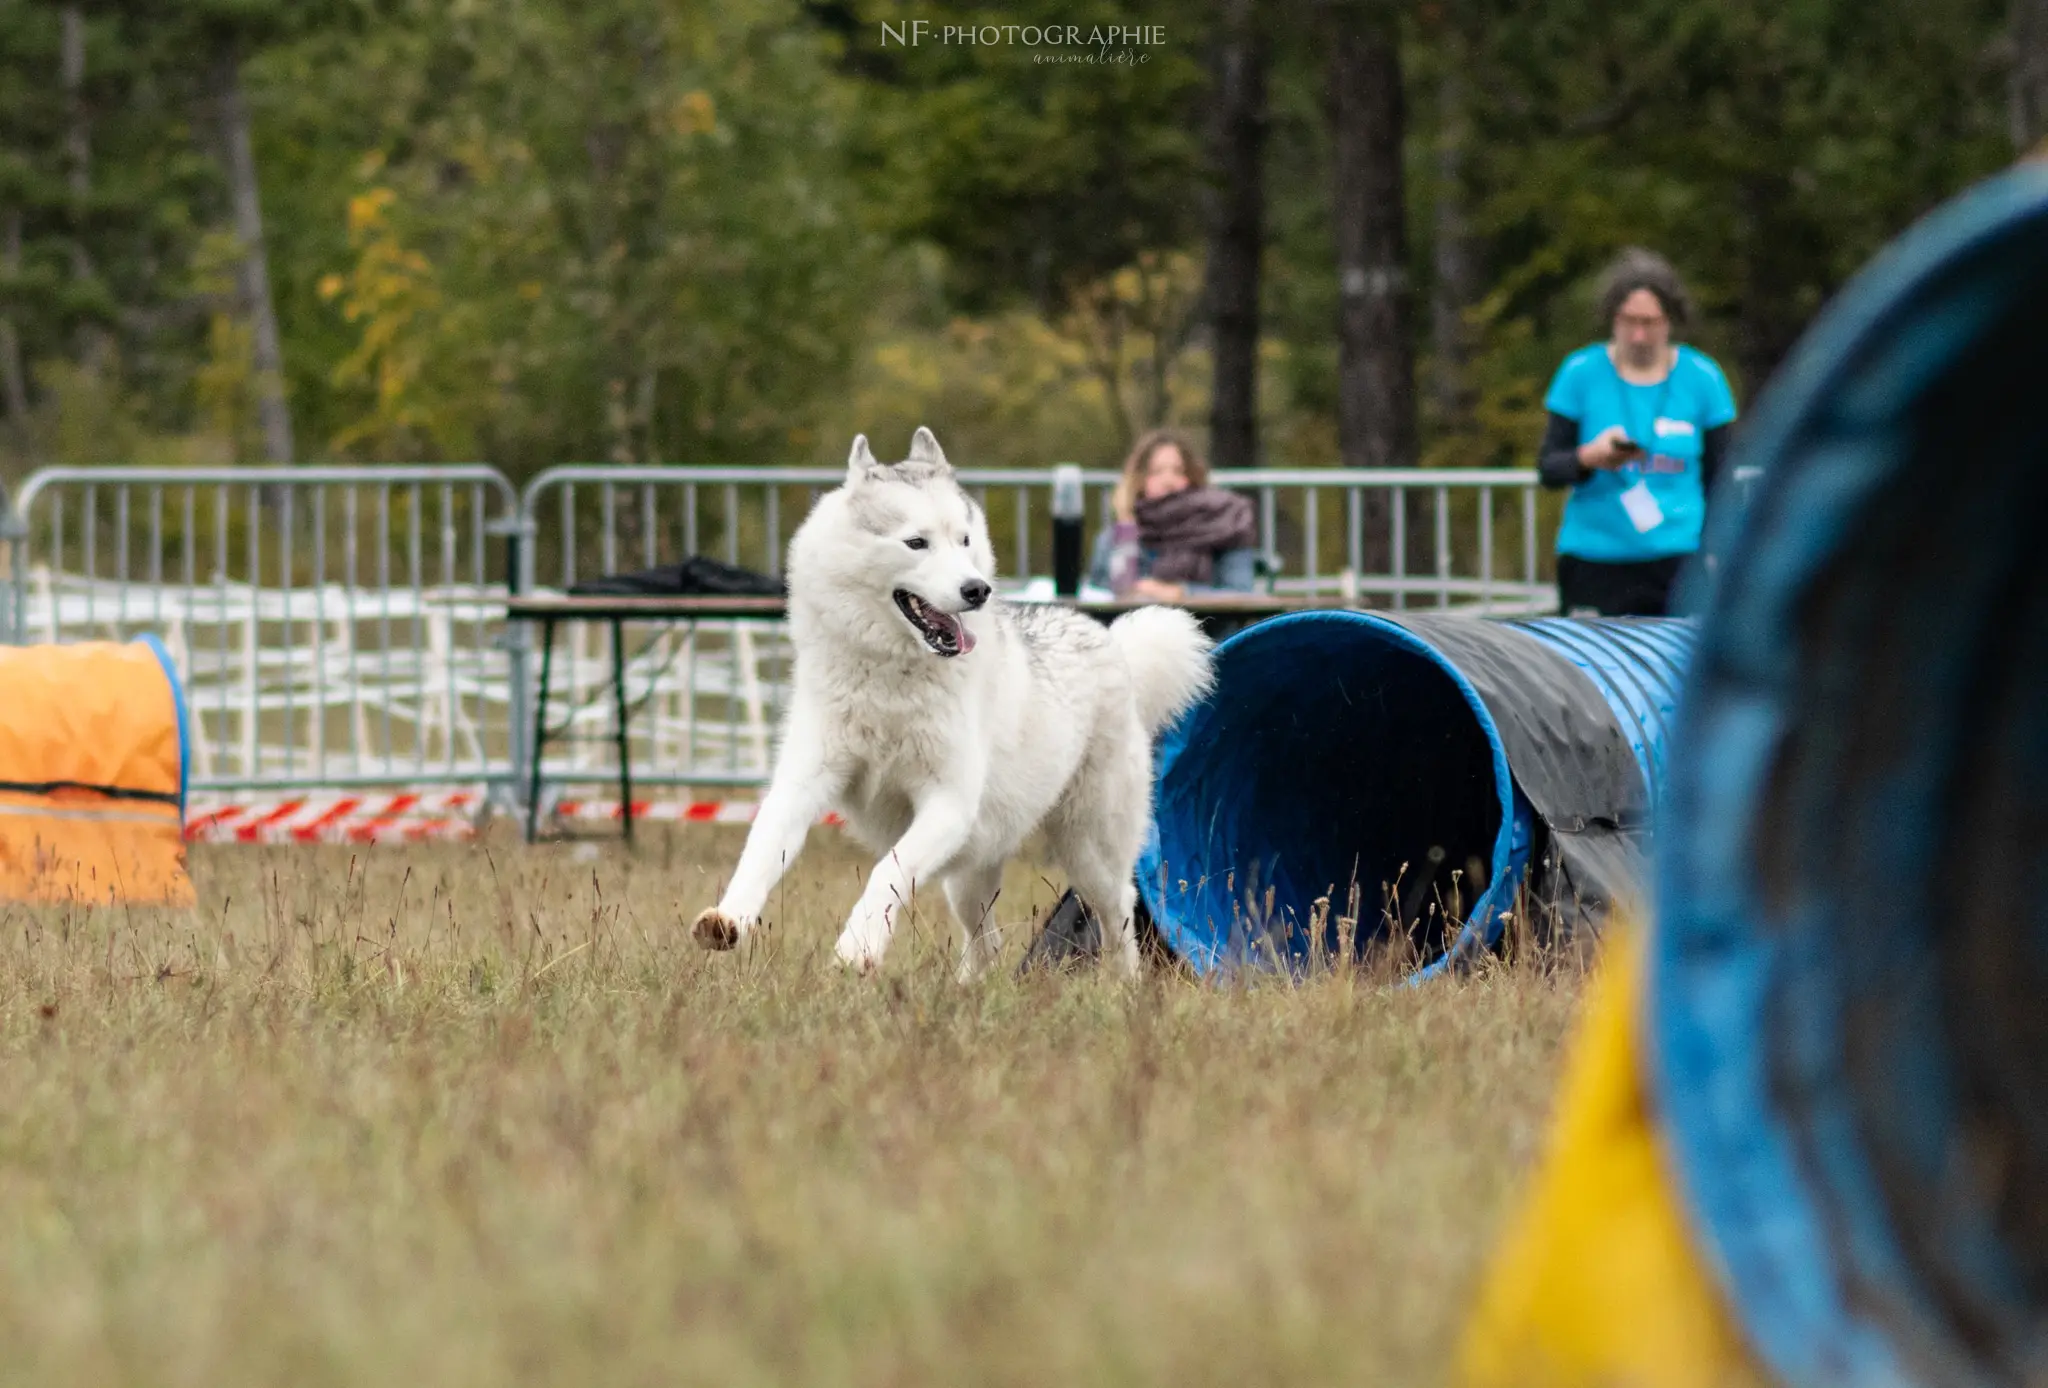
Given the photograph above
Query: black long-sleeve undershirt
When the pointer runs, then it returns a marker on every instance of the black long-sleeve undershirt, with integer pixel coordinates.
(1557, 460)
(1558, 465)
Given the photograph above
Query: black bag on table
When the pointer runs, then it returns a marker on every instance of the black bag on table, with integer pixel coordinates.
(695, 577)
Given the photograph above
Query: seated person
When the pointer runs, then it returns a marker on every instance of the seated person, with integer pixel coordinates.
(1175, 535)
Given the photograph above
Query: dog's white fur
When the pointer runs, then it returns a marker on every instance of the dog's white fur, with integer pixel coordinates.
(945, 764)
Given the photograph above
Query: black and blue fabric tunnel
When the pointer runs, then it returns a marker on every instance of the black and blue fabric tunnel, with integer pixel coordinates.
(1404, 771)
(1848, 1026)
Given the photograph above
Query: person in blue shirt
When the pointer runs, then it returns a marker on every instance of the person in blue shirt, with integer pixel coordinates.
(1638, 429)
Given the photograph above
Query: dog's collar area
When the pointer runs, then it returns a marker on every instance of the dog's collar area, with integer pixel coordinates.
(945, 633)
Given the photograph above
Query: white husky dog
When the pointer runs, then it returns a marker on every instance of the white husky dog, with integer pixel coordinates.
(945, 725)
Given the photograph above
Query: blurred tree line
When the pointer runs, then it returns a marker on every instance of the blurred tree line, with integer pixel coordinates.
(531, 231)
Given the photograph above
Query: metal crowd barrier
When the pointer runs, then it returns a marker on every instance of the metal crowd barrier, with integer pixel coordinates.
(1396, 537)
(12, 532)
(342, 626)
(333, 626)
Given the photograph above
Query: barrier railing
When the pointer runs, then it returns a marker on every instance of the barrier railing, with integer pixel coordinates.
(11, 533)
(333, 626)
(343, 626)
(1398, 537)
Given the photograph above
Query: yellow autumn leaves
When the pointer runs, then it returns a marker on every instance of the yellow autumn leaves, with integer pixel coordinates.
(391, 294)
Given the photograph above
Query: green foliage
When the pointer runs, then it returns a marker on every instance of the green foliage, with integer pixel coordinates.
(646, 230)
(646, 254)
(1034, 178)
(1768, 149)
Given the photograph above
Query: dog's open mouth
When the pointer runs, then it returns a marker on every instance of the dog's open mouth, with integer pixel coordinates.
(942, 631)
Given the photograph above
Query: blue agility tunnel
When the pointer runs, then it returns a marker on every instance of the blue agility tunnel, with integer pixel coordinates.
(1849, 974)
(1408, 769)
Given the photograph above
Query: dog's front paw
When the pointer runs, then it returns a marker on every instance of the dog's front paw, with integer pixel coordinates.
(864, 941)
(714, 929)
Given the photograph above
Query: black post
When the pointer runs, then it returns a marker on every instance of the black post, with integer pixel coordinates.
(540, 725)
(1069, 514)
(619, 693)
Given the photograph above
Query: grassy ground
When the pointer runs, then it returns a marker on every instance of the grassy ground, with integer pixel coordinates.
(448, 1116)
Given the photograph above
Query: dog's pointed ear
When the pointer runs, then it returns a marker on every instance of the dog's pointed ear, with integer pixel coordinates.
(860, 461)
(924, 448)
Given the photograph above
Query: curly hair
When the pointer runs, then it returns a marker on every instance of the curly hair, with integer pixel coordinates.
(1636, 268)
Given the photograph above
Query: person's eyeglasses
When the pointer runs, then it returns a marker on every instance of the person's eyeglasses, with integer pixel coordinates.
(1633, 320)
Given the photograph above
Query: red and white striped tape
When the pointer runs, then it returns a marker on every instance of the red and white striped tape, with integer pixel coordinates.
(335, 817)
(411, 816)
(674, 811)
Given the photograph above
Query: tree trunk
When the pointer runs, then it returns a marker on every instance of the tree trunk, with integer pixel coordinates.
(643, 414)
(1782, 251)
(2027, 85)
(1237, 237)
(92, 339)
(1457, 270)
(77, 138)
(1778, 252)
(618, 422)
(1375, 358)
(240, 161)
(13, 379)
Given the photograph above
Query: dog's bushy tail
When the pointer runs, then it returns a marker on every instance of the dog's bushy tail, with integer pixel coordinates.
(1169, 659)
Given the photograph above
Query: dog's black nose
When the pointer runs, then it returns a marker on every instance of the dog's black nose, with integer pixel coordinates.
(975, 592)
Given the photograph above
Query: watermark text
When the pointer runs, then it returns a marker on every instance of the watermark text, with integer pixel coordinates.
(914, 33)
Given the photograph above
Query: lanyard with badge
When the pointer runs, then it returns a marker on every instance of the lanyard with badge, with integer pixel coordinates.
(1638, 500)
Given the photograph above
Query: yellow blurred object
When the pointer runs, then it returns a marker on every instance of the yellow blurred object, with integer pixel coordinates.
(1599, 1281)
(91, 776)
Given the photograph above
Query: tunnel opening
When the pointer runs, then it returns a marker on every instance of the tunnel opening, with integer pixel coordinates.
(1341, 758)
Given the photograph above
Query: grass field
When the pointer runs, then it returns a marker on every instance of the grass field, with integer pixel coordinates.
(469, 1116)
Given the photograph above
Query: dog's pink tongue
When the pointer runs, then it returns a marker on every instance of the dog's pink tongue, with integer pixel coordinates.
(966, 635)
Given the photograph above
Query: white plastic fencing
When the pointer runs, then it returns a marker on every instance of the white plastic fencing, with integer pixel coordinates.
(343, 627)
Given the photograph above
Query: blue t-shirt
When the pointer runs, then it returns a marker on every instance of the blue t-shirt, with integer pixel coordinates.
(1605, 518)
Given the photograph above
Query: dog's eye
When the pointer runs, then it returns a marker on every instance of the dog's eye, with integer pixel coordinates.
(918, 542)
(963, 542)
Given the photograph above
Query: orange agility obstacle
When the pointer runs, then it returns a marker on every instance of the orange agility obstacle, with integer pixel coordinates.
(92, 775)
